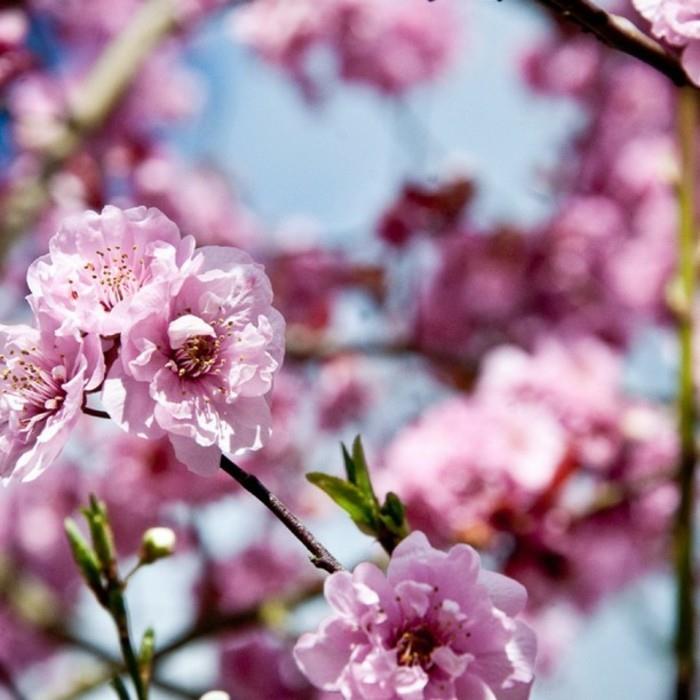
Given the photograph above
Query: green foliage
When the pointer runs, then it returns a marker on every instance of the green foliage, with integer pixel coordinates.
(355, 495)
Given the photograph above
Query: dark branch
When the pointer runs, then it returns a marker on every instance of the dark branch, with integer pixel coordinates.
(95, 412)
(320, 556)
(620, 34)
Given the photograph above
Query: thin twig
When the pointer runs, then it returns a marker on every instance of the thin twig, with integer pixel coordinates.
(620, 34)
(320, 556)
(95, 412)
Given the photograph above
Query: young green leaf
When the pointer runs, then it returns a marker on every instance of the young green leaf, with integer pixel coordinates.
(348, 496)
(362, 478)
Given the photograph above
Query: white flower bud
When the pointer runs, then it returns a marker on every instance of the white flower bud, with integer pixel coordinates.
(157, 543)
(215, 695)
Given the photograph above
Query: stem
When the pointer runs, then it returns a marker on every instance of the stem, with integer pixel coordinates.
(119, 688)
(8, 682)
(320, 556)
(684, 525)
(117, 608)
(620, 34)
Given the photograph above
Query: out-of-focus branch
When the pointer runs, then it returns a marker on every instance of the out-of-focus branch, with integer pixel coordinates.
(209, 626)
(103, 675)
(683, 534)
(93, 103)
(308, 346)
(620, 34)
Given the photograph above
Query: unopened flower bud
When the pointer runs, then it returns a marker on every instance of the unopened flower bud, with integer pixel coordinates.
(157, 543)
(215, 695)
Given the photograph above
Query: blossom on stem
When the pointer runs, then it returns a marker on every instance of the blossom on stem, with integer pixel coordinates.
(435, 626)
(101, 268)
(198, 362)
(43, 377)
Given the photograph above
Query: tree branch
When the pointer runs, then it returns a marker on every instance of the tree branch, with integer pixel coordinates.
(620, 34)
(320, 556)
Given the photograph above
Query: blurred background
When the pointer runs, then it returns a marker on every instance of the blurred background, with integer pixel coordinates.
(467, 212)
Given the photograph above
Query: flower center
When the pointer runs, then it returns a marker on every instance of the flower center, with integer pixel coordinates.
(118, 274)
(415, 647)
(32, 388)
(196, 356)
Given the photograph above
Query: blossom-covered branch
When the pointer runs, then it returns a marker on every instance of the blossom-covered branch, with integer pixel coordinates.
(619, 33)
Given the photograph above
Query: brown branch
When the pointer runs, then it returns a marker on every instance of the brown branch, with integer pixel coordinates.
(320, 556)
(307, 346)
(620, 34)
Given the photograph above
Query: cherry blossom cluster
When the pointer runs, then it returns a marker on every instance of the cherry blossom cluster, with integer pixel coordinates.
(391, 46)
(533, 447)
(179, 341)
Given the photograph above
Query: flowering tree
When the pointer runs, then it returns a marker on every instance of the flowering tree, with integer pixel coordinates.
(179, 351)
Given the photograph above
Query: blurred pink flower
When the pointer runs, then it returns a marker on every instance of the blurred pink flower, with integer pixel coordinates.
(143, 480)
(437, 625)
(198, 199)
(562, 65)
(198, 361)
(343, 394)
(103, 268)
(505, 455)
(262, 570)
(259, 666)
(305, 284)
(15, 58)
(43, 377)
(425, 208)
(391, 46)
(479, 294)
(577, 382)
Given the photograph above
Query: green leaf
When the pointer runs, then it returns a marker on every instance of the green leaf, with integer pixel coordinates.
(350, 470)
(362, 478)
(394, 510)
(348, 496)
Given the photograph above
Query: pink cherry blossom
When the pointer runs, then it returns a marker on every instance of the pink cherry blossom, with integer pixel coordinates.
(435, 626)
(391, 46)
(505, 455)
(264, 569)
(100, 267)
(199, 361)
(344, 395)
(199, 200)
(259, 666)
(143, 481)
(577, 382)
(43, 378)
